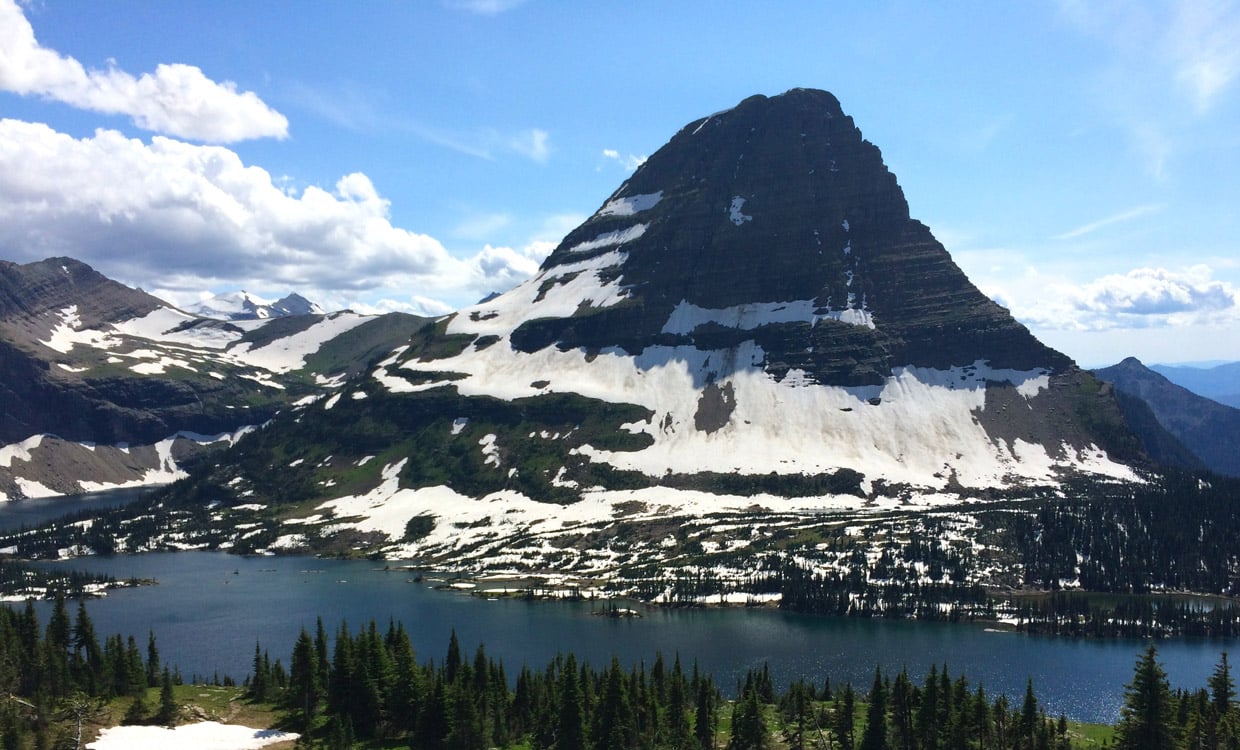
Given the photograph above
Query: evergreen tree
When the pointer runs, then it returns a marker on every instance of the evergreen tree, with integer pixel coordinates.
(749, 730)
(433, 720)
(1222, 687)
(570, 724)
(875, 736)
(902, 737)
(260, 676)
(614, 725)
(152, 660)
(927, 715)
(797, 708)
(1027, 725)
(704, 714)
(452, 665)
(88, 664)
(56, 651)
(167, 701)
(466, 732)
(1146, 718)
(137, 712)
(845, 717)
(677, 708)
(305, 690)
(320, 652)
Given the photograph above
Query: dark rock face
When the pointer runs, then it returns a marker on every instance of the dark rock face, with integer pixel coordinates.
(1210, 430)
(32, 289)
(778, 200)
(98, 407)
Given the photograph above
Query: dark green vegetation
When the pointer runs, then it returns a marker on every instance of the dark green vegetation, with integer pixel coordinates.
(61, 678)
(368, 689)
(17, 579)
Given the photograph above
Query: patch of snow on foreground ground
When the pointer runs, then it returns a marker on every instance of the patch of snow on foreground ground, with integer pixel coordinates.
(206, 735)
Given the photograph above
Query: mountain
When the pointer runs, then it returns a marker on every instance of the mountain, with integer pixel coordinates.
(107, 386)
(245, 306)
(751, 324)
(1210, 430)
(1219, 382)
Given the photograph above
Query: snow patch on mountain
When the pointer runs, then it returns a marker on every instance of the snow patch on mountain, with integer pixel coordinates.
(67, 333)
(688, 316)
(920, 425)
(631, 204)
(19, 451)
(607, 239)
(555, 293)
(290, 352)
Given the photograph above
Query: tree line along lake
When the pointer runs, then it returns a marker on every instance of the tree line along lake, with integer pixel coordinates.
(209, 609)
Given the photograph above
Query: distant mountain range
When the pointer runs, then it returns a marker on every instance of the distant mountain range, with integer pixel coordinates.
(1219, 382)
(1209, 430)
(106, 386)
(245, 306)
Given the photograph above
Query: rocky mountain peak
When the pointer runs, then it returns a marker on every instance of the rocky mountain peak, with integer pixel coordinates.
(242, 305)
(30, 290)
(776, 221)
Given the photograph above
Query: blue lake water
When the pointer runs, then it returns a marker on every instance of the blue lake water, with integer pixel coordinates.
(209, 610)
(15, 514)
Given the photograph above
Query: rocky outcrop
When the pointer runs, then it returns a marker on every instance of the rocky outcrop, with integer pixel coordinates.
(781, 200)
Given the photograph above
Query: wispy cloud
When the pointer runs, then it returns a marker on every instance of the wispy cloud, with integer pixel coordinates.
(630, 162)
(1122, 216)
(176, 99)
(1163, 68)
(533, 143)
(1203, 43)
(362, 109)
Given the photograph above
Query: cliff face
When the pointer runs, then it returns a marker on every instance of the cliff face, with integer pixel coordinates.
(781, 201)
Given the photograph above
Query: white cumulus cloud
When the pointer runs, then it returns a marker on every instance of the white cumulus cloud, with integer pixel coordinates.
(1140, 298)
(176, 99)
(178, 216)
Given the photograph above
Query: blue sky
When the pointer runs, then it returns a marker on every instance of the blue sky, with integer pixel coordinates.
(1078, 160)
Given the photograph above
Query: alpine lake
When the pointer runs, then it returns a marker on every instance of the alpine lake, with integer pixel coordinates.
(209, 609)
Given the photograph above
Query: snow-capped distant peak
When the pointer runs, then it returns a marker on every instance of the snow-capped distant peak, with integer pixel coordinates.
(242, 305)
